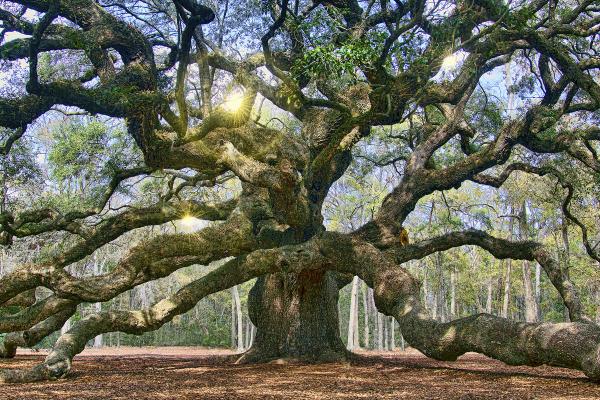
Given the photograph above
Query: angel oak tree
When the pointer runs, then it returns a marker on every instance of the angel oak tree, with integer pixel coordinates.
(340, 69)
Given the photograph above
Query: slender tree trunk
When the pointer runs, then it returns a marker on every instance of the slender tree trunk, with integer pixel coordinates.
(402, 344)
(538, 290)
(375, 318)
(507, 286)
(247, 334)
(98, 267)
(426, 290)
(385, 338)
(374, 313)
(379, 331)
(531, 312)
(121, 305)
(98, 340)
(296, 316)
(596, 297)
(441, 293)
(366, 309)
(508, 271)
(237, 329)
(356, 314)
(252, 333)
(567, 261)
(353, 318)
(453, 278)
(233, 336)
(529, 297)
(392, 334)
(489, 298)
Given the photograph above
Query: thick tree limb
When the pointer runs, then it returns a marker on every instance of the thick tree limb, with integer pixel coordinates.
(501, 249)
(156, 258)
(35, 334)
(571, 345)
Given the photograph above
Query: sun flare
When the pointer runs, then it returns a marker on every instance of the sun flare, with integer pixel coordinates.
(189, 221)
(450, 62)
(233, 101)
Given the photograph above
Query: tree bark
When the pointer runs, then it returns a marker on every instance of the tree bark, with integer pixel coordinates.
(97, 307)
(296, 317)
(30, 337)
(506, 297)
(508, 273)
(537, 290)
(392, 336)
(531, 309)
(441, 304)
(402, 344)
(488, 300)
(247, 334)
(453, 277)
(366, 309)
(237, 328)
(374, 318)
(353, 318)
(567, 260)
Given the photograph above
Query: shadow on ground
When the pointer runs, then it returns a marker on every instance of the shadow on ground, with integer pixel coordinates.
(183, 373)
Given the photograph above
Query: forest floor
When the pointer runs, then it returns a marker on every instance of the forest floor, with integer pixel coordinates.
(196, 373)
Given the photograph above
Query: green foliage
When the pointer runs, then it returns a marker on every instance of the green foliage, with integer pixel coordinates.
(82, 158)
(323, 58)
(332, 61)
(19, 166)
(86, 151)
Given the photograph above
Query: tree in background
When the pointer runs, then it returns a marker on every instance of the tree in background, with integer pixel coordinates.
(405, 85)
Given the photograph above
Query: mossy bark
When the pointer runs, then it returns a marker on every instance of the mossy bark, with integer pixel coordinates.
(296, 316)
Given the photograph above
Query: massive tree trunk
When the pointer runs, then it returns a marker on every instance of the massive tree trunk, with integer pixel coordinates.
(296, 317)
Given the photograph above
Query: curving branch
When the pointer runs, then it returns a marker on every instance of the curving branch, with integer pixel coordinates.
(572, 345)
(565, 205)
(236, 271)
(156, 258)
(33, 335)
(501, 249)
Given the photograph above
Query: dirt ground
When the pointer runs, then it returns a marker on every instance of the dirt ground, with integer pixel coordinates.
(192, 373)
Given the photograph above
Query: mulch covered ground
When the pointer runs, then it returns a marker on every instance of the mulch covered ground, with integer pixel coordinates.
(185, 373)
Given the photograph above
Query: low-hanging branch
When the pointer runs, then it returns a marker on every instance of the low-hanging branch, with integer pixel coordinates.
(571, 345)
